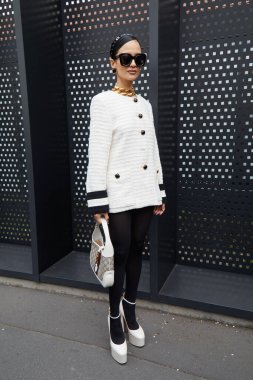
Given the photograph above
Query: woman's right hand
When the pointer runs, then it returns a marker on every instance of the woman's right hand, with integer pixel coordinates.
(98, 217)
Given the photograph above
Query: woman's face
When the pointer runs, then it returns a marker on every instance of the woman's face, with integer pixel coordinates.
(131, 72)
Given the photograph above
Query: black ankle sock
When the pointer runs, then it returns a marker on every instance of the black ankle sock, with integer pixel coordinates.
(116, 331)
(129, 311)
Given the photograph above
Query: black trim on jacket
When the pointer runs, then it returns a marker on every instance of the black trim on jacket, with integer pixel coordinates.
(97, 194)
(98, 209)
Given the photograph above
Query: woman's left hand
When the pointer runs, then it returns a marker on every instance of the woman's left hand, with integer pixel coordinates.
(159, 210)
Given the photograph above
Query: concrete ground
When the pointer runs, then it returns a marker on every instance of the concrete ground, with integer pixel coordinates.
(47, 334)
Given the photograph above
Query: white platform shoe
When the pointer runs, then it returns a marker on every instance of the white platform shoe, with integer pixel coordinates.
(118, 351)
(136, 337)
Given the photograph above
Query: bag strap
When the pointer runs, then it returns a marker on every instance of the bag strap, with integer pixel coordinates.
(108, 251)
(106, 230)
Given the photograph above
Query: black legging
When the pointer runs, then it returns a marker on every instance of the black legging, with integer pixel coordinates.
(127, 231)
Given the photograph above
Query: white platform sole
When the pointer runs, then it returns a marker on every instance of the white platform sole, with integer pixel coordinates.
(136, 337)
(118, 351)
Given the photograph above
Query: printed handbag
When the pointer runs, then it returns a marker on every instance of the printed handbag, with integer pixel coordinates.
(102, 254)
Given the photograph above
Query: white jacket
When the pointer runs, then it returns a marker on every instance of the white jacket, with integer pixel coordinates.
(124, 169)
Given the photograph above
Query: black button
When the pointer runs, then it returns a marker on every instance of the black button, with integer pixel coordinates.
(142, 132)
(157, 171)
(145, 167)
(135, 100)
(117, 175)
(140, 115)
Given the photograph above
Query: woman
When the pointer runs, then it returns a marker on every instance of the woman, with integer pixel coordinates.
(124, 183)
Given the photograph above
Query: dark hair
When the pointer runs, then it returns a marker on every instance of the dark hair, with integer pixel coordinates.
(120, 41)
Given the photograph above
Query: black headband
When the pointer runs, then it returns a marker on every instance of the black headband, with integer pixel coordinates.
(120, 41)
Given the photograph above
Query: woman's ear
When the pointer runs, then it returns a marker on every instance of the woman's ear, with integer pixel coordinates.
(112, 63)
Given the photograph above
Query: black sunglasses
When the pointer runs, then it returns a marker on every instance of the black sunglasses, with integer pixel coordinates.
(126, 59)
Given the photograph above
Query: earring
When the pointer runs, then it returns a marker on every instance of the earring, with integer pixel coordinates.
(114, 71)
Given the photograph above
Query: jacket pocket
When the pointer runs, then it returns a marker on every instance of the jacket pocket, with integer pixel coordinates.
(120, 186)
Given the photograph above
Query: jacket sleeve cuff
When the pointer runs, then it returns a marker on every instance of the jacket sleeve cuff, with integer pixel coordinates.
(98, 209)
(162, 191)
(97, 202)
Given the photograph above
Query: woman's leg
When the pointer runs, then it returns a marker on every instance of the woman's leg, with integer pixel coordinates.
(141, 219)
(120, 233)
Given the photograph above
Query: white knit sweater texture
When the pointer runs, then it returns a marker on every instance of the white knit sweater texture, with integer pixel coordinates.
(124, 168)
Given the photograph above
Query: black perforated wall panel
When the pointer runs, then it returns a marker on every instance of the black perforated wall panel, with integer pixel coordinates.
(46, 126)
(14, 210)
(215, 170)
(89, 28)
(211, 20)
(168, 44)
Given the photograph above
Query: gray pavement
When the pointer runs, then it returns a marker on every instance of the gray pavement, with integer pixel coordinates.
(50, 336)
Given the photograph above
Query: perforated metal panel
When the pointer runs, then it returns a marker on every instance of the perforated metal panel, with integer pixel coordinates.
(89, 29)
(215, 178)
(14, 210)
(215, 19)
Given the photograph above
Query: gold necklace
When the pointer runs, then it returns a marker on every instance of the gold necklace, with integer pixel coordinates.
(124, 91)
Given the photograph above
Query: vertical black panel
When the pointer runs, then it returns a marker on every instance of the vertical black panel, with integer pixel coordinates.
(43, 50)
(168, 45)
(14, 200)
(215, 173)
